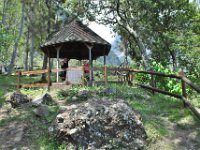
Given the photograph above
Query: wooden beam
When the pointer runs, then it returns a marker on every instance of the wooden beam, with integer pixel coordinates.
(160, 91)
(33, 72)
(83, 75)
(157, 73)
(184, 94)
(68, 69)
(189, 105)
(192, 85)
(34, 85)
(153, 83)
(186, 102)
(105, 70)
(19, 80)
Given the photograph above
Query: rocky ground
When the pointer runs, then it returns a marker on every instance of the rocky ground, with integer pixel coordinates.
(18, 127)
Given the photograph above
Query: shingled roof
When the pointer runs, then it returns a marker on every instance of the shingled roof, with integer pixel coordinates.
(73, 39)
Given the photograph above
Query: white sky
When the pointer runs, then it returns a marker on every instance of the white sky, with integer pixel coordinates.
(102, 30)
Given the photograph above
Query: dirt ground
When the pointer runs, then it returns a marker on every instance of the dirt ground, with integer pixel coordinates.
(181, 137)
(17, 134)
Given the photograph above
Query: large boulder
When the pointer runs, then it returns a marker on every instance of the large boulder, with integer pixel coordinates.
(100, 124)
(18, 99)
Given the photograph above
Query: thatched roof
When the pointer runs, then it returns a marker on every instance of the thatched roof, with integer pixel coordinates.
(73, 39)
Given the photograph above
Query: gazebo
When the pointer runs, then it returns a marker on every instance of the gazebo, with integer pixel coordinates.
(76, 41)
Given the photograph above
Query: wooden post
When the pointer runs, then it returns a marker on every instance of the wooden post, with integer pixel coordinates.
(57, 65)
(153, 83)
(184, 94)
(49, 78)
(105, 71)
(49, 73)
(129, 78)
(83, 76)
(19, 80)
(183, 84)
(90, 62)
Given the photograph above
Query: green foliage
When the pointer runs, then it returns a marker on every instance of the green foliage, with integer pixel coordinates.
(143, 78)
(6, 38)
(169, 84)
(33, 91)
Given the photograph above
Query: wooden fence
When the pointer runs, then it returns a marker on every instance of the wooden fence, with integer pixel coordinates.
(37, 72)
(124, 75)
(184, 81)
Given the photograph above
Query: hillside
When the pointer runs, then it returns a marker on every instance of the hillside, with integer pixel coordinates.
(168, 125)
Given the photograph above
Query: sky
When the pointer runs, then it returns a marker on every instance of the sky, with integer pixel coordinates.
(102, 30)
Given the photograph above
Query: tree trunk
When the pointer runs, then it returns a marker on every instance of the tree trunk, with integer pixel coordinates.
(174, 63)
(139, 42)
(3, 13)
(26, 60)
(26, 52)
(32, 49)
(125, 24)
(45, 59)
(15, 47)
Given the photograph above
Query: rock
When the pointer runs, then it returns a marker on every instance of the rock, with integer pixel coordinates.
(18, 99)
(74, 98)
(83, 94)
(7, 96)
(64, 108)
(100, 124)
(41, 111)
(44, 99)
(12, 135)
(108, 91)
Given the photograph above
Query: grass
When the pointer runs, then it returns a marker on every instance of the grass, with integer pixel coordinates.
(156, 111)
(8, 84)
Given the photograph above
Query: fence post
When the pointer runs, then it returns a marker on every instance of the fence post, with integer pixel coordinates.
(183, 84)
(83, 76)
(49, 78)
(105, 74)
(184, 94)
(153, 83)
(19, 80)
(105, 71)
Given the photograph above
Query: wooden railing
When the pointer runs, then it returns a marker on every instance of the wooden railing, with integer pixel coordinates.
(28, 73)
(37, 72)
(184, 81)
(126, 78)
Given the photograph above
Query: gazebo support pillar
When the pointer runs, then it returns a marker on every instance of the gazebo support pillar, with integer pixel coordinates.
(90, 62)
(49, 72)
(105, 70)
(57, 65)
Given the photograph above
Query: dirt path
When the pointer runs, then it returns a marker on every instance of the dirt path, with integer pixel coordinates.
(180, 137)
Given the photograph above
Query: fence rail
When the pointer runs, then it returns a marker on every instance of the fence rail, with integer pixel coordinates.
(126, 77)
(184, 81)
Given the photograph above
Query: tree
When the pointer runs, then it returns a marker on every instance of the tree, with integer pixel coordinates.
(15, 47)
(148, 24)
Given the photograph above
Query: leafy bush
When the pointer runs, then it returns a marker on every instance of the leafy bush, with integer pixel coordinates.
(169, 84)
